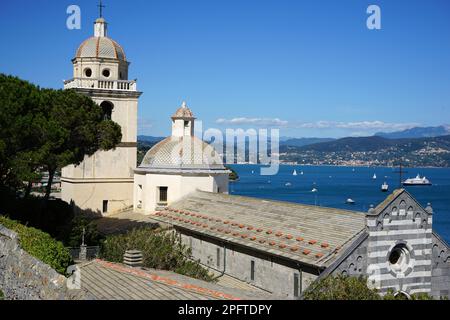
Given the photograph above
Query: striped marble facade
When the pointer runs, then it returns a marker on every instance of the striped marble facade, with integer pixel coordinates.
(400, 228)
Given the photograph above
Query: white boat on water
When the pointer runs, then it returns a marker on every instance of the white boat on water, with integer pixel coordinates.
(350, 201)
(288, 184)
(301, 173)
(384, 187)
(374, 176)
(294, 173)
(314, 190)
(417, 181)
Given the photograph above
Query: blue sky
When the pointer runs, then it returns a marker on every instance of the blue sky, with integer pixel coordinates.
(310, 68)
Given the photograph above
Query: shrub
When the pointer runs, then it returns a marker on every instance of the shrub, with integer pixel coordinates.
(390, 295)
(160, 249)
(353, 288)
(40, 245)
(71, 234)
(2, 296)
(341, 288)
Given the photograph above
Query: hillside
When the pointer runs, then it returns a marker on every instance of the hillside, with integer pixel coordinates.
(300, 142)
(373, 150)
(417, 132)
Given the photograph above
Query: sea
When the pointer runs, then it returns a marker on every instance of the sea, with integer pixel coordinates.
(336, 184)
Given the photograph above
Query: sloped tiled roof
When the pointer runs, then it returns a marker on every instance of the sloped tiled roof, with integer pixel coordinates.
(113, 281)
(312, 235)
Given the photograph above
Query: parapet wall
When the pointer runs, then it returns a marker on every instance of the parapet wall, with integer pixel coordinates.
(23, 277)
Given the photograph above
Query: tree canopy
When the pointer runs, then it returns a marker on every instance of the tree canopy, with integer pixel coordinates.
(47, 129)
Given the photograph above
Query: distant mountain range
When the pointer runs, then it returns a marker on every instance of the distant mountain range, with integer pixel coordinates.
(150, 139)
(417, 132)
(375, 150)
(300, 142)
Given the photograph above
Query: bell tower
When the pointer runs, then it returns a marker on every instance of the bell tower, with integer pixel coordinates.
(103, 182)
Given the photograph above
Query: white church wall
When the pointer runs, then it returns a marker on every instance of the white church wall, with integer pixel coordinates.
(178, 186)
(153, 182)
(90, 196)
(116, 163)
(124, 113)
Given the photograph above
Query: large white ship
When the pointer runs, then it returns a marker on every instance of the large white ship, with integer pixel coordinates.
(417, 181)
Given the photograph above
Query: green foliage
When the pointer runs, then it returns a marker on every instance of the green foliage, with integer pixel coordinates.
(390, 295)
(233, 176)
(48, 129)
(2, 296)
(19, 134)
(341, 288)
(353, 288)
(40, 245)
(161, 250)
(73, 235)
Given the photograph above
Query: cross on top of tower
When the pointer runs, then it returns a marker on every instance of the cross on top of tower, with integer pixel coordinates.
(101, 6)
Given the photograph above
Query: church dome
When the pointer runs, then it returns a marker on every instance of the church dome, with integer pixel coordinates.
(183, 112)
(186, 152)
(101, 47)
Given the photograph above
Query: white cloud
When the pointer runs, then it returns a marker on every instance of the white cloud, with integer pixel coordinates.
(359, 125)
(271, 122)
(322, 124)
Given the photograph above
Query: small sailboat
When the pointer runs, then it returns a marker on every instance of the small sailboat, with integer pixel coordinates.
(384, 187)
(288, 184)
(350, 201)
(301, 173)
(294, 173)
(374, 176)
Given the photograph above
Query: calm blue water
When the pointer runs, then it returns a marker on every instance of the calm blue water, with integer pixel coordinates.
(336, 184)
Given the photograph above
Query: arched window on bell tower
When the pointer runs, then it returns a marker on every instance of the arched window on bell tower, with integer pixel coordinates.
(107, 108)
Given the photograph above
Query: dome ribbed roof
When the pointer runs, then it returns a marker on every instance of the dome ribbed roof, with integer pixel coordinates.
(183, 112)
(100, 47)
(187, 152)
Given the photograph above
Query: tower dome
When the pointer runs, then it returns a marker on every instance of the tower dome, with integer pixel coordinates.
(100, 45)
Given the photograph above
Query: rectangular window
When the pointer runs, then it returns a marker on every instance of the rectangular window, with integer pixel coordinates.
(252, 271)
(296, 285)
(105, 206)
(163, 194)
(218, 257)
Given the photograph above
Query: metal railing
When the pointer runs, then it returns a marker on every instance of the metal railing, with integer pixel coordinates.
(91, 253)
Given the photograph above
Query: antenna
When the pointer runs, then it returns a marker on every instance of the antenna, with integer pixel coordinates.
(400, 174)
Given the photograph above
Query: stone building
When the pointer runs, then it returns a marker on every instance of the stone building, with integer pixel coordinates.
(180, 164)
(284, 247)
(103, 182)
